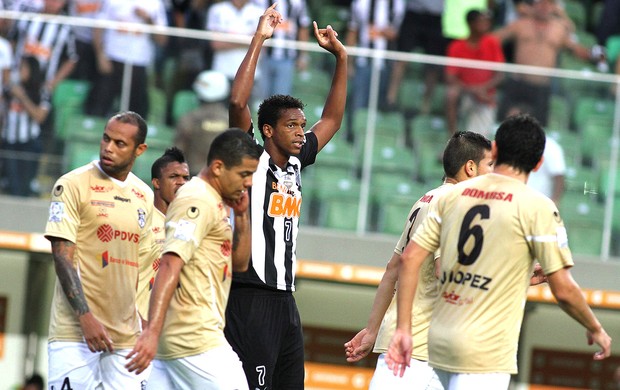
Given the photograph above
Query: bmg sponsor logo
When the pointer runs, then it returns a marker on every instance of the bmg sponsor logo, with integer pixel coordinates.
(107, 233)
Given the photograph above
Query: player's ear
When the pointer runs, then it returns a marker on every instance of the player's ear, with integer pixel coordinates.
(540, 163)
(141, 149)
(155, 183)
(493, 150)
(267, 130)
(216, 167)
(471, 168)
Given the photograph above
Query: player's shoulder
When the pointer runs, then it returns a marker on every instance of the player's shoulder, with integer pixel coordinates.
(143, 189)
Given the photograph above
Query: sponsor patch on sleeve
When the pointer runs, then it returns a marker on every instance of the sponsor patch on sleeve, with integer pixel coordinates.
(57, 211)
(184, 230)
(562, 237)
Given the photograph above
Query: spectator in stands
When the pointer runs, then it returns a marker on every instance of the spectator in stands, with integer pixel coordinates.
(374, 25)
(233, 17)
(51, 43)
(116, 48)
(197, 129)
(191, 56)
(86, 68)
(279, 63)
(28, 107)
(421, 27)
(538, 38)
(474, 89)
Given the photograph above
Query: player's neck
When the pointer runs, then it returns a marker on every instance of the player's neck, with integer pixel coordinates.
(277, 156)
(160, 204)
(511, 171)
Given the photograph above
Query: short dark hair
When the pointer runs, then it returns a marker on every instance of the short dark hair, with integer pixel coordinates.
(474, 14)
(520, 141)
(172, 154)
(36, 380)
(270, 110)
(232, 146)
(135, 119)
(462, 147)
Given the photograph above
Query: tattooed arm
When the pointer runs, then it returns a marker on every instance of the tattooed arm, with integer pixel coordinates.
(95, 334)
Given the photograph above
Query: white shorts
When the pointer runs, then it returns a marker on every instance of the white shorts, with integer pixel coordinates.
(73, 365)
(217, 369)
(456, 381)
(418, 376)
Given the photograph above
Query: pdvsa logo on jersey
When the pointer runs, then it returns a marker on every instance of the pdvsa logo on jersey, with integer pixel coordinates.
(284, 205)
(107, 233)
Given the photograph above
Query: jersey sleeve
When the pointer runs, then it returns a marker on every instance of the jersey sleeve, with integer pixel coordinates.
(64, 211)
(547, 236)
(308, 153)
(187, 222)
(428, 234)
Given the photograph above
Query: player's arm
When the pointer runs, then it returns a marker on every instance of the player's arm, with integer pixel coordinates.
(361, 345)
(95, 334)
(570, 299)
(241, 91)
(333, 111)
(399, 351)
(166, 282)
(242, 236)
(507, 32)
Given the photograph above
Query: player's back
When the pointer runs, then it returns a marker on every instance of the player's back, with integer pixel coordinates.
(492, 228)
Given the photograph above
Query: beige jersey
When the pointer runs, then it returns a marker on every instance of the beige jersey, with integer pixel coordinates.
(149, 262)
(198, 230)
(428, 287)
(108, 221)
(491, 229)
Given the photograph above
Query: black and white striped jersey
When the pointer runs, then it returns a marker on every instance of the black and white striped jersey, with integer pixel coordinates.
(275, 203)
(49, 42)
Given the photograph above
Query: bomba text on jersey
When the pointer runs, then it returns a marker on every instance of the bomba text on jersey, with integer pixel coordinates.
(466, 278)
(492, 195)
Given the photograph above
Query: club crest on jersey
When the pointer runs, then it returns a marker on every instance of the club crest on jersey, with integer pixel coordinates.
(141, 218)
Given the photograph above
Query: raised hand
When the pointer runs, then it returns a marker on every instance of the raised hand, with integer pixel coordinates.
(328, 39)
(359, 346)
(239, 205)
(269, 21)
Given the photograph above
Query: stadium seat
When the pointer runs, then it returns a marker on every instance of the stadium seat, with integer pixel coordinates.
(157, 105)
(583, 217)
(595, 141)
(576, 11)
(612, 47)
(338, 154)
(183, 102)
(559, 113)
(395, 159)
(84, 127)
(392, 197)
(579, 178)
(589, 107)
(312, 81)
(142, 165)
(78, 153)
(337, 201)
(159, 135)
(67, 100)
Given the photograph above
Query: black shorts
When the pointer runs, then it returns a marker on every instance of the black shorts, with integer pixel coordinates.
(531, 97)
(264, 328)
(422, 30)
